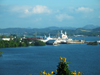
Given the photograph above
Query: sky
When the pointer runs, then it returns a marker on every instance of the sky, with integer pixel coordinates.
(47, 13)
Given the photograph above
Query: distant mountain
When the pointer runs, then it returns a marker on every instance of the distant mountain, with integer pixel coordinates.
(15, 30)
(52, 30)
(28, 28)
(82, 30)
(23, 30)
(68, 28)
(91, 26)
(96, 29)
(54, 27)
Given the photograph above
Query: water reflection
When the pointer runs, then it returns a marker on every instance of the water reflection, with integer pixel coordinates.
(1, 55)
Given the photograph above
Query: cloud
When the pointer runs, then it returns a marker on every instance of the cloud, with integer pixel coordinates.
(62, 17)
(40, 9)
(19, 8)
(26, 11)
(98, 16)
(84, 9)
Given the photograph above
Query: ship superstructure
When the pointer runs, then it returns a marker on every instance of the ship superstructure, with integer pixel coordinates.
(62, 39)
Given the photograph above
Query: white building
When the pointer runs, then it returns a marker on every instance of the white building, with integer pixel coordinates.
(5, 39)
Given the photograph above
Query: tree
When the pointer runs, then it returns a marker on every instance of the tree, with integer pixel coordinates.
(1, 52)
(63, 67)
(3, 36)
(11, 36)
(39, 43)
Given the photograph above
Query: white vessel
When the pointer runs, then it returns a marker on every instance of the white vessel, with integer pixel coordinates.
(98, 41)
(63, 38)
(47, 38)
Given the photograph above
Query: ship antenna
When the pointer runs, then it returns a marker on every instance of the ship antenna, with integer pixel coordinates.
(61, 31)
(65, 33)
(44, 36)
(49, 34)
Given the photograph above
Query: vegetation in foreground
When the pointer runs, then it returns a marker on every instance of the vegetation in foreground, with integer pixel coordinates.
(62, 69)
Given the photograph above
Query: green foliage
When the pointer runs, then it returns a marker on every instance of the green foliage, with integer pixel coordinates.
(32, 44)
(39, 43)
(5, 44)
(12, 43)
(17, 39)
(23, 43)
(92, 43)
(1, 52)
(62, 69)
(3, 36)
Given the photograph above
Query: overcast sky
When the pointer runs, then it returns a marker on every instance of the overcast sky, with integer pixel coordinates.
(46, 13)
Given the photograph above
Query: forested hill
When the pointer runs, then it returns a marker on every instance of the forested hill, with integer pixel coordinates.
(23, 30)
(96, 29)
(53, 31)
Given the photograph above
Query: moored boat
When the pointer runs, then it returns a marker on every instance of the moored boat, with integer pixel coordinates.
(62, 39)
(47, 39)
(50, 42)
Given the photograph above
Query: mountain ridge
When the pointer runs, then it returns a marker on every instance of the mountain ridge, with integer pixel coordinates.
(90, 26)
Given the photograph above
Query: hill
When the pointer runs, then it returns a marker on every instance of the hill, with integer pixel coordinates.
(54, 31)
(96, 29)
(90, 26)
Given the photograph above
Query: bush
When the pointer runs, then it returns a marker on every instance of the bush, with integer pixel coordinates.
(1, 52)
(92, 43)
(62, 69)
(39, 43)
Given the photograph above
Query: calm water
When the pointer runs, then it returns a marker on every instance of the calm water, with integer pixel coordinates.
(31, 60)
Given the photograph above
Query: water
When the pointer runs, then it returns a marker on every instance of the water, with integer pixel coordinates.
(32, 60)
